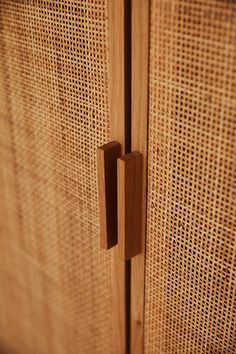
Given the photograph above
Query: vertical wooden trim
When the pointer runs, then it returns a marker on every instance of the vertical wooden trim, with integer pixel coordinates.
(140, 62)
(129, 183)
(119, 121)
(116, 70)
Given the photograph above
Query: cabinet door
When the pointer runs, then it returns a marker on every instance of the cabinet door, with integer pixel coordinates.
(191, 206)
(56, 284)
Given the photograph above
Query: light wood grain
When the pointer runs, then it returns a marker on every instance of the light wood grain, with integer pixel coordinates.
(140, 58)
(116, 70)
(118, 132)
(129, 180)
(107, 156)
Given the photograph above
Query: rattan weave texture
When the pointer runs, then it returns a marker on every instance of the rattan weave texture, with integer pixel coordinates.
(55, 281)
(191, 215)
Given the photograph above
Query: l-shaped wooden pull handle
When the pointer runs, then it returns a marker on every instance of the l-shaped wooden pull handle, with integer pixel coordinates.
(129, 171)
(107, 156)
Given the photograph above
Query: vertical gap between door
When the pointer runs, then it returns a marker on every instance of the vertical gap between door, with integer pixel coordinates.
(127, 117)
(139, 114)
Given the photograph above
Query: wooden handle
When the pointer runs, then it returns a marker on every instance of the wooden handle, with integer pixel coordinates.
(129, 170)
(107, 156)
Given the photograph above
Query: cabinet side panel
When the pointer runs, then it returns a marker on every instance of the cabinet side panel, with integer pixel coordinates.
(191, 206)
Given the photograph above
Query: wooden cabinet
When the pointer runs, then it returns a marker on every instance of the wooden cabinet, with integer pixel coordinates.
(57, 284)
(158, 77)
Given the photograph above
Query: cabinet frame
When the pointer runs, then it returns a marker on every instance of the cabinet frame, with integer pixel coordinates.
(139, 139)
(119, 131)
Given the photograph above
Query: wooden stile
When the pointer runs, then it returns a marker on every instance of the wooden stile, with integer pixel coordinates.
(118, 128)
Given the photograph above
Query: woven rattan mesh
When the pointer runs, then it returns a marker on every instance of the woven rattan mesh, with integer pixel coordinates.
(55, 282)
(191, 216)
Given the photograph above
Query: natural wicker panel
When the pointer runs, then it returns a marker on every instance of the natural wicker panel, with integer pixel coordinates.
(55, 282)
(191, 216)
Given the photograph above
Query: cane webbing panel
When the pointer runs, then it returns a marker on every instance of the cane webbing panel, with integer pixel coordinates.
(191, 216)
(55, 282)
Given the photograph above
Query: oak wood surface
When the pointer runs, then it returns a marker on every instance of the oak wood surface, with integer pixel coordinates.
(120, 268)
